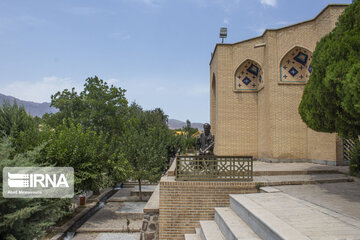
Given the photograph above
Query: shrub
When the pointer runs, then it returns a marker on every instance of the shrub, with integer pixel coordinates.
(355, 160)
(26, 218)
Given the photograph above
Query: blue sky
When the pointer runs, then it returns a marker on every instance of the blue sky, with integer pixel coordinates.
(158, 50)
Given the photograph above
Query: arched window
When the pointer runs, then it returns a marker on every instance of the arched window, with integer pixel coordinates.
(249, 77)
(295, 66)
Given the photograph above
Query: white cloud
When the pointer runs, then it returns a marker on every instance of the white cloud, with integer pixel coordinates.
(39, 91)
(271, 3)
(226, 21)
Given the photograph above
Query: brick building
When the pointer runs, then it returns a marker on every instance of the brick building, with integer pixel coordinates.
(256, 86)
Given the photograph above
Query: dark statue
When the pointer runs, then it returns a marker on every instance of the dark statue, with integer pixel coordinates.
(205, 142)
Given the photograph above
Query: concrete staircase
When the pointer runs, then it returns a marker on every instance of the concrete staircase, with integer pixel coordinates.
(275, 216)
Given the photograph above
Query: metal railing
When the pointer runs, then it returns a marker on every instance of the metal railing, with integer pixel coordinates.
(214, 168)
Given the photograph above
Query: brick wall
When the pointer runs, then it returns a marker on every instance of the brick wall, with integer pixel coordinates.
(184, 203)
(266, 124)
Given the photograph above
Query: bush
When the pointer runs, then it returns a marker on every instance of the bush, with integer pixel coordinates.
(97, 163)
(355, 160)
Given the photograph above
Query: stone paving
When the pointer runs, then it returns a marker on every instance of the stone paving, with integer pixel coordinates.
(311, 220)
(107, 236)
(301, 179)
(107, 220)
(116, 220)
(271, 167)
(343, 198)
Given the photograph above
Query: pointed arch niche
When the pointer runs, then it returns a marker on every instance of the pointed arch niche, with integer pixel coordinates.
(213, 106)
(295, 66)
(248, 77)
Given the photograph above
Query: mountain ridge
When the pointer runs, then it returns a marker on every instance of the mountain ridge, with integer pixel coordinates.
(39, 109)
(32, 108)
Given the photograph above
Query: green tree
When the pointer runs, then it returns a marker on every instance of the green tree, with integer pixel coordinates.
(331, 98)
(99, 107)
(20, 127)
(189, 141)
(26, 218)
(147, 144)
(96, 162)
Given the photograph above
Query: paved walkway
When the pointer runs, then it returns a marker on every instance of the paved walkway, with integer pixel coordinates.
(278, 167)
(290, 216)
(116, 220)
(343, 198)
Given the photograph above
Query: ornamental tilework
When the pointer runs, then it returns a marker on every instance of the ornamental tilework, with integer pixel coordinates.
(248, 76)
(295, 66)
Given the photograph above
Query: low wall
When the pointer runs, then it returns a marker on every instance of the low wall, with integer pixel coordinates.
(150, 226)
(184, 203)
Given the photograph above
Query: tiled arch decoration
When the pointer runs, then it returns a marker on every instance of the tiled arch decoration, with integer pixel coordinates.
(249, 77)
(295, 66)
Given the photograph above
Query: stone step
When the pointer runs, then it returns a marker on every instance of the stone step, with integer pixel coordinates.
(232, 226)
(276, 180)
(209, 230)
(281, 216)
(295, 172)
(263, 223)
(192, 237)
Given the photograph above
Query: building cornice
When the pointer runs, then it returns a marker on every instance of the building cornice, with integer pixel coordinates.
(276, 29)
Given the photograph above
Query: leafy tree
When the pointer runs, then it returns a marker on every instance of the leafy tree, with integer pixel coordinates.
(20, 127)
(99, 107)
(96, 162)
(354, 167)
(331, 98)
(189, 140)
(147, 144)
(26, 218)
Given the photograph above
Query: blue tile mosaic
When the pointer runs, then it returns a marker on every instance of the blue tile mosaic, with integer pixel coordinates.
(253, 69)
(292, 71)
(296, 65)
(246, 81)
(301, 58)
(310, 69)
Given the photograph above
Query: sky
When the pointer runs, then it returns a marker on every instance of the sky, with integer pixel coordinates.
(158, 50)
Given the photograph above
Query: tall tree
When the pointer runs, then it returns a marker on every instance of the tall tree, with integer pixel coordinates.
(146, 144)
(97, 164)
(331, 98)
(99, 107)
(20, 127)
(26, 218)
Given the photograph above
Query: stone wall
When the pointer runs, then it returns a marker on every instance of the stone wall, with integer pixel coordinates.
(150, 226)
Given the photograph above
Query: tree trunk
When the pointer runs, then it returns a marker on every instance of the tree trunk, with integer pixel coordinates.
(140, 193)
